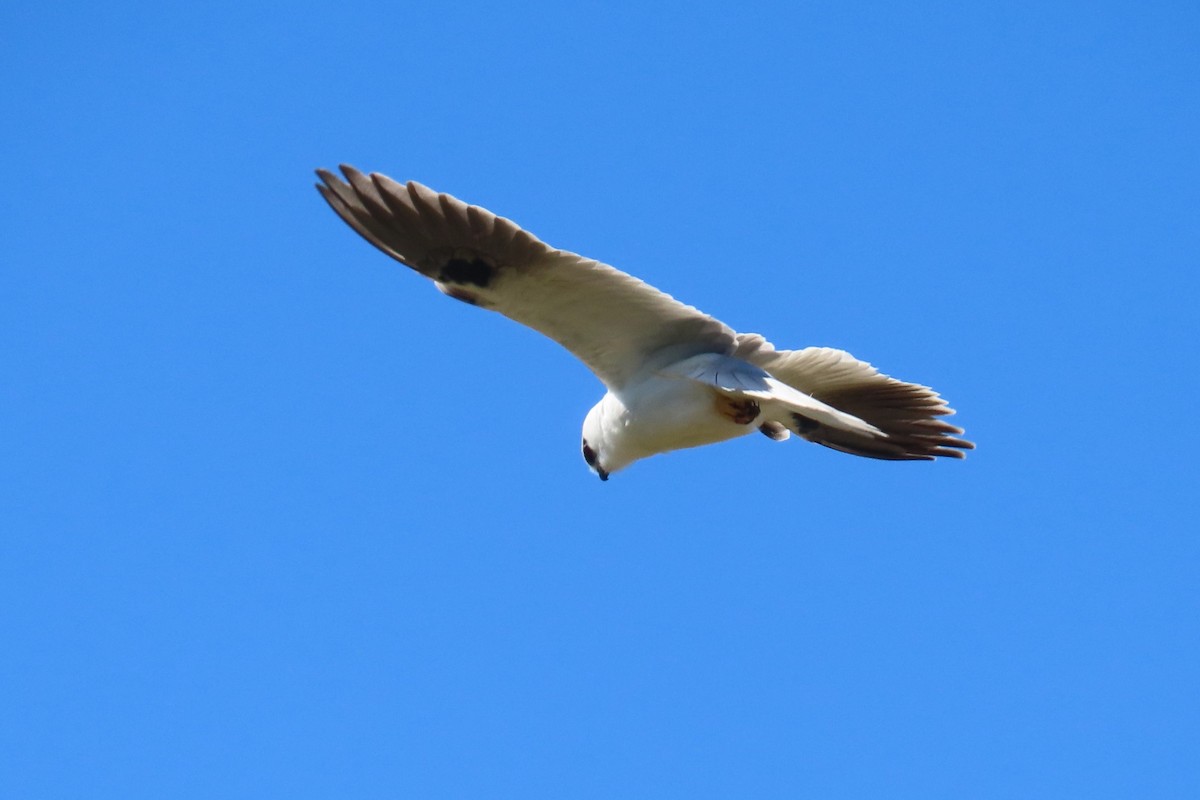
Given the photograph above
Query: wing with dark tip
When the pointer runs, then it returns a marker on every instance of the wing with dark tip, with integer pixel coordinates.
(908, 413)
(613, 322)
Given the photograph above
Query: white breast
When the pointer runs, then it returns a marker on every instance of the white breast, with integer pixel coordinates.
(659, 414)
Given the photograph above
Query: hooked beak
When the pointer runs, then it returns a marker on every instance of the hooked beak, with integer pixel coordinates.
(603, 475)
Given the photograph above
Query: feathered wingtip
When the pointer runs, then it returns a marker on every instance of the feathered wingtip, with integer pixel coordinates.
(909, 414)
(427, 230)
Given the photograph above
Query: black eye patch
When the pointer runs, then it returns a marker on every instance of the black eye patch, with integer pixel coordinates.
(589, 455)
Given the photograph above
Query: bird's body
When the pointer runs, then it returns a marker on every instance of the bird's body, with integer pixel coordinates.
(676, 377)
(657, 414)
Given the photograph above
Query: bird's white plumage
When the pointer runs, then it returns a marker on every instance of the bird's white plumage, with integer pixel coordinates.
(676, 377)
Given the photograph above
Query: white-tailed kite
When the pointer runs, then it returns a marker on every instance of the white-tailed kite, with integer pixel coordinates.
(676, 377)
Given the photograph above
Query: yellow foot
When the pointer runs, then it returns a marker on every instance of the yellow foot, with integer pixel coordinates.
(739, 410)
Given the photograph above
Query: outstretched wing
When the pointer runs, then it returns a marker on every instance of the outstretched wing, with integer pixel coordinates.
(907, 413)
(613, 322)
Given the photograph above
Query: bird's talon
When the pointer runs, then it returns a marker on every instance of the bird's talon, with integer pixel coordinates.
(741, 412)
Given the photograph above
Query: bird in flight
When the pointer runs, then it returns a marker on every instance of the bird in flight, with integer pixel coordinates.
(675, 376)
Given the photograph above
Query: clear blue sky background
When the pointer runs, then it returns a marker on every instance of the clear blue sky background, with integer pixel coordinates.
(279, 520)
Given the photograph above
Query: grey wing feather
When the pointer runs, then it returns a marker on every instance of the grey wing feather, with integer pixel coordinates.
(908, 413)
(615, 323)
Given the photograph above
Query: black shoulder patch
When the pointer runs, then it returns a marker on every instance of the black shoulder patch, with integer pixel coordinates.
(805, 425)
(475, 271)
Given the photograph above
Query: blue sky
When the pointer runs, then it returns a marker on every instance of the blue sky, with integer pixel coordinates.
(280, 520)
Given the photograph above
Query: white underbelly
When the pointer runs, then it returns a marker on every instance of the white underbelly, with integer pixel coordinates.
(673, 413)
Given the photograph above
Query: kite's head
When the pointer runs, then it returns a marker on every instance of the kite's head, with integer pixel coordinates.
(603, 442)
(593, 460)
(593, 437)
